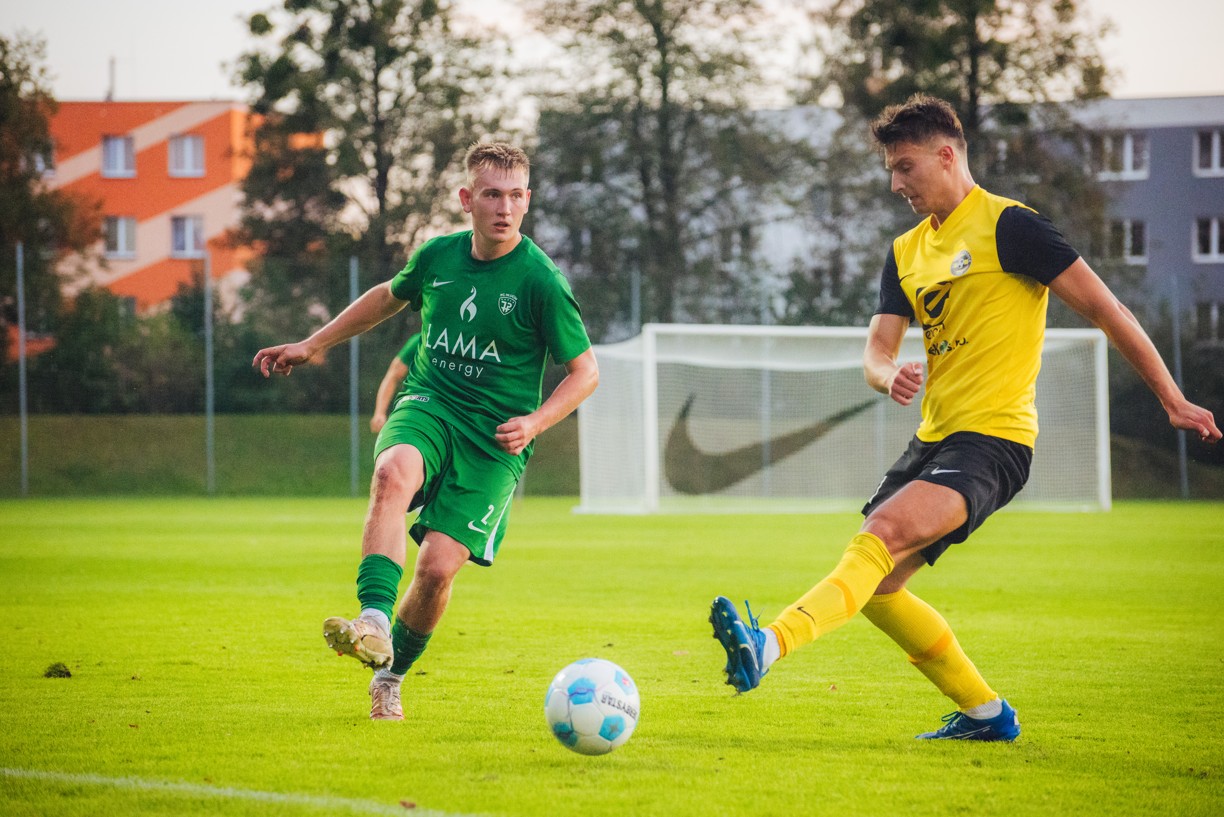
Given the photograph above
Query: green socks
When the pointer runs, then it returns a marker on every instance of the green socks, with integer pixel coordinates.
(408, 645)
(378, 579)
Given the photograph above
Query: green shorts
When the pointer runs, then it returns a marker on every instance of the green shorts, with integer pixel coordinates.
(466, 494)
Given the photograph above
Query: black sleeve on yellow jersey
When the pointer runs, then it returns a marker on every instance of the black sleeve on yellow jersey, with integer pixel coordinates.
(1029, 244)
(892, 297)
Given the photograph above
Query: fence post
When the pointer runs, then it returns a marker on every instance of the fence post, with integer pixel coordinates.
(22, 388)
(354, 441)
(210, 458)
(1183, 469)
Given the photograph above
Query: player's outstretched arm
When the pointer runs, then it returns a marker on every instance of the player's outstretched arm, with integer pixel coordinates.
(1085, 292)
(581, 378)
(371, 309)
(880, 368)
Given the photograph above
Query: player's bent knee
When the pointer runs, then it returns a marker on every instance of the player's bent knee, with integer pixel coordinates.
(395, 478)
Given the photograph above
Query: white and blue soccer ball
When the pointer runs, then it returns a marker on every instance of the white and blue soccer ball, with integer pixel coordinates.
(592, 706)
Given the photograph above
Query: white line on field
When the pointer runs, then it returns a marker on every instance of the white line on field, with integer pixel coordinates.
(227, 793)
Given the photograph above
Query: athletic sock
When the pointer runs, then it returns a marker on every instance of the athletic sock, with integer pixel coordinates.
(772, 651)
(408, 645)
(378, 617)
(837, 597)
(986, 711)
(378, 579)
(385, 675)
(924, 634)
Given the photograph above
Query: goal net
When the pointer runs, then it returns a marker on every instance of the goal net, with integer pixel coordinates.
(743, 419)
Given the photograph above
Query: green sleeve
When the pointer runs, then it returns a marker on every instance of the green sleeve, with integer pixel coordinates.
(406, 285)
(564, 332)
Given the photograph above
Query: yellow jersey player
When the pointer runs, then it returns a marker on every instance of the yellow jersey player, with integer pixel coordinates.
(975, 274)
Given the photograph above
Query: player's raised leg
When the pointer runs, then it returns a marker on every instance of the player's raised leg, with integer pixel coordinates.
(829, 604)
(398, 474)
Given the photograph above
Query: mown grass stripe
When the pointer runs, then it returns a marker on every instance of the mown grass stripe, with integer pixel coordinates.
(329, 804)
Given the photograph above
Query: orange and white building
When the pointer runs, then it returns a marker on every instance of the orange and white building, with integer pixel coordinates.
(168, 176)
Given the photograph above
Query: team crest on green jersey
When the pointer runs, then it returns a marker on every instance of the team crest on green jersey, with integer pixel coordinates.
(506, 303)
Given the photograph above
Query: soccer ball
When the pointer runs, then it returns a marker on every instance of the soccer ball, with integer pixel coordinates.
(592, 706)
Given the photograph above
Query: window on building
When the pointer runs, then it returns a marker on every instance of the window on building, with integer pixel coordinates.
(1118, 155)
(120, 236)
(1209, 239)
(187, 236)
(1209, 153)
(118, 157)
(1127, 241)
(187, 156)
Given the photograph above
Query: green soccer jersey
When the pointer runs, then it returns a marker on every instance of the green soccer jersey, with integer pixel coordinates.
(408, 351)
(487, 328)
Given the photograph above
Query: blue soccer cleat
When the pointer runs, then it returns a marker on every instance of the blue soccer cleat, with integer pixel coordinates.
(958, 726)
(744, 644)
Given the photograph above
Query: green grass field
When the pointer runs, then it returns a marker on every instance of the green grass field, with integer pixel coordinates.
(201, 685)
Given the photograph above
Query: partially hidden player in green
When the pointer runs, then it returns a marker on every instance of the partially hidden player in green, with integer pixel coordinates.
(493, 308)
(976, 274)
(393, 381)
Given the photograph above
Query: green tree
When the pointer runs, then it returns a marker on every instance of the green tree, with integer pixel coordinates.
(50, 224)
(365, 109)
(973, 53)
(1013, 69)
(848, 218)
(658, 162)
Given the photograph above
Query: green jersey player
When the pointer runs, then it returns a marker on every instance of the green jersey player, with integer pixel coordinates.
(493, 309)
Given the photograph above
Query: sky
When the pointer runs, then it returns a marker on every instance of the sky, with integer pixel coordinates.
(186, 49)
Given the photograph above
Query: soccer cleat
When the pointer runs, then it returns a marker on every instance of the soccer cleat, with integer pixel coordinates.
(385, 699)
(361, 638)
(744, 644)
(958, 726)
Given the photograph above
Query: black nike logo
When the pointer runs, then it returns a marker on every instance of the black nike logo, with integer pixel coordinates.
(693, 471)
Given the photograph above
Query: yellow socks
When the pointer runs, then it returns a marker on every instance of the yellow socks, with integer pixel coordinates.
(922, 632)
(837, 597)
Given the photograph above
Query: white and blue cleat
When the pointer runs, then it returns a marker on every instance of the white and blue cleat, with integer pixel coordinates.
(958, 726)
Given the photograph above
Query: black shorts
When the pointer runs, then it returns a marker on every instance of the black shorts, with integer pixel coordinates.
(987, 471)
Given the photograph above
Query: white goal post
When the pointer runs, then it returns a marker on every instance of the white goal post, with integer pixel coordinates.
(693, 418)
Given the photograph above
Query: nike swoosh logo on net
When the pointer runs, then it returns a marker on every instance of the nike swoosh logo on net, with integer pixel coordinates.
(692, 471)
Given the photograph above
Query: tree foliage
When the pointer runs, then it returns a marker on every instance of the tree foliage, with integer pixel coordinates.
(1012, 69)
(365, 111)
(973, 53)
(658, 158)
(49, 223)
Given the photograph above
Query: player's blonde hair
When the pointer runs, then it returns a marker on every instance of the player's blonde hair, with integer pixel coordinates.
(501, 155)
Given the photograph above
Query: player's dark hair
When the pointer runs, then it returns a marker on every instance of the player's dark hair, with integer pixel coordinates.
(917, 120)
(500, 155)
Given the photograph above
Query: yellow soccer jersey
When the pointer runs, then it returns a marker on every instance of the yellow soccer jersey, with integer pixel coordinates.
(977, 287)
